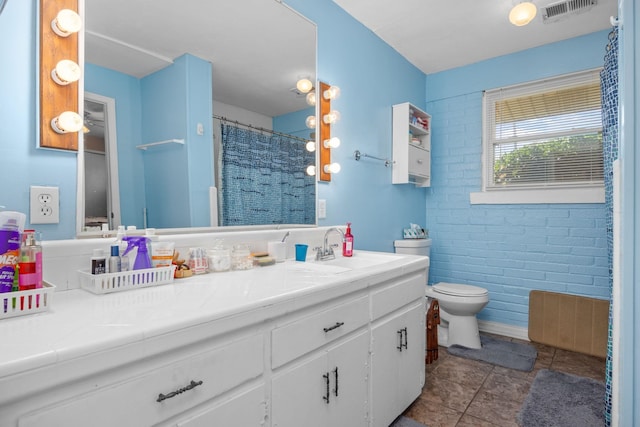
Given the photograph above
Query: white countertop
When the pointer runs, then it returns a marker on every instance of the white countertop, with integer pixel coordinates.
(80, 324)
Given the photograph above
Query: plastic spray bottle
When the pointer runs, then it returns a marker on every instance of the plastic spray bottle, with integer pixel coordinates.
(347, 244)
(140, 243)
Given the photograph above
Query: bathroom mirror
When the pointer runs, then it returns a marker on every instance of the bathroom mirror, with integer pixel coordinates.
(258, 50)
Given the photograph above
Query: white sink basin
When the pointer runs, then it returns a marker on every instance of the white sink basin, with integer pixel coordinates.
(358, 260)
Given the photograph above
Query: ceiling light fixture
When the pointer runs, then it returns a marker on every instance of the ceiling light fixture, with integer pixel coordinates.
(522, 13)
(304, 85)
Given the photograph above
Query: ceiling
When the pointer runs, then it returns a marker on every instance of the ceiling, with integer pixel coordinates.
(249, 51)
(257, 57)
(440, 35)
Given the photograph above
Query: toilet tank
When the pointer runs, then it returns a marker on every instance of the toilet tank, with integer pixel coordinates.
(413, 246)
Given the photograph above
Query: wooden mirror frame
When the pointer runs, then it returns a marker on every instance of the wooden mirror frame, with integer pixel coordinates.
(55, 98)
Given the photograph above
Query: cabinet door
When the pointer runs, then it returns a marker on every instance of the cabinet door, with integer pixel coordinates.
(397, 363)
(314, 394)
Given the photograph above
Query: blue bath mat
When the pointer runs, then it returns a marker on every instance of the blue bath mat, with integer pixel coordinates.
(557, 399)
(507, 354)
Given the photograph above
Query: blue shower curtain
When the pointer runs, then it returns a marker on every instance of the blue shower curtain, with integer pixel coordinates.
(264, 179)
(609, 87)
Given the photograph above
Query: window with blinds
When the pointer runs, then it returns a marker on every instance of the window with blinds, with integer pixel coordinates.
(544, 134)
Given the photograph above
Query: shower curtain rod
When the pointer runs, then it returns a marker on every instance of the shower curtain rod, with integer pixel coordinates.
(224, 119)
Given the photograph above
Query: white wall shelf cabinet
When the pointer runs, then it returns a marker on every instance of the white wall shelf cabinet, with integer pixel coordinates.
(411, 145)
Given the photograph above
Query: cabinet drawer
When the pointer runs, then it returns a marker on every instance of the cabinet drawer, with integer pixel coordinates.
(419, 162)
(393, 296)
(303, 335)
(134, 402)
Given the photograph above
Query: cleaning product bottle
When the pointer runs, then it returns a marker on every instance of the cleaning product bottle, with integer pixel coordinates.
(122, 246)
(140, 243)
(347, 244)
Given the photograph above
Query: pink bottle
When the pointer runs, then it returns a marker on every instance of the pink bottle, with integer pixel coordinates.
(347, 244)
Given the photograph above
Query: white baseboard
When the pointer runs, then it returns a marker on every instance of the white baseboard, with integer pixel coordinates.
(503, 329)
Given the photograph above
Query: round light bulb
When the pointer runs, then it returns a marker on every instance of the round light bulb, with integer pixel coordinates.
(311, 98)
(304, 85)
(66, 23)
(66, 122)
(332, 117)
(332, 168)
(522, 13)
(333, 142)
(311, 170)
(65, 72)
(311, 122)
(332, 93)
(311, 146)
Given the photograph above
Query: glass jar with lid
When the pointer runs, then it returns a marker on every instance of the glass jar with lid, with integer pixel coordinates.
(241, 258)
(219, 258)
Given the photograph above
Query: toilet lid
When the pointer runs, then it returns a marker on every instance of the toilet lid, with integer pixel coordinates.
(457, 289)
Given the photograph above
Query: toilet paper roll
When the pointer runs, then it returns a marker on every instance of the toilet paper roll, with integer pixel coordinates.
(277, 250)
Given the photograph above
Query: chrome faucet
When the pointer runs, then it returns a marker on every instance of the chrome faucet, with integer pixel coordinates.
(326, 252)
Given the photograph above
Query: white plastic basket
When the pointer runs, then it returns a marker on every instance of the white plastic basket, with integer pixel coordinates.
(126, 280)
(21, 303)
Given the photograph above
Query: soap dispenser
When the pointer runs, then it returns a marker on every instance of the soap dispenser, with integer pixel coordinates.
(347, 244)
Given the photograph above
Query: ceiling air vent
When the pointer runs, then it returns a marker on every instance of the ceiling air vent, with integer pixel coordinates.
(563, 9)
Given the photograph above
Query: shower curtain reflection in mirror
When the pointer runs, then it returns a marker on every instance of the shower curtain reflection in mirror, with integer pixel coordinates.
(264, 179)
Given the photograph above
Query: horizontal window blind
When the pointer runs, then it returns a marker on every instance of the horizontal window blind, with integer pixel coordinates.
(544, 134)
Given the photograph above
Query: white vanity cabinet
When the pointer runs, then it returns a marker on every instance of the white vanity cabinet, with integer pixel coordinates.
(397, 348)
(310, 349)
(411, 145)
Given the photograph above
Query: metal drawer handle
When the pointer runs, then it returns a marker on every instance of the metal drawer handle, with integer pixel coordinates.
(326, 395)
(419, 161)
(403, 342)
(331, 328)
(191, 386)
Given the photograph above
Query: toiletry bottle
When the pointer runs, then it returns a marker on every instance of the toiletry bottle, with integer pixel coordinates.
(9, 250)
(114, 259)
(30, 265)
(98, 262)
(122, 246)
(140, 243)
(347, 244)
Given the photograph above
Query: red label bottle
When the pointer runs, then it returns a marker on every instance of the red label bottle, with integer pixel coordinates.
(347, 244)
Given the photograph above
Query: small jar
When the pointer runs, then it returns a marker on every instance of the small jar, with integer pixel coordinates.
(219, 259)
(241, 258)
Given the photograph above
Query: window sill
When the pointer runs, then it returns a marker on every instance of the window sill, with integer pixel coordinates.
(507, 197)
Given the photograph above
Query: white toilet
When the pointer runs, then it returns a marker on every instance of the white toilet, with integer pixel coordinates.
(459, 303)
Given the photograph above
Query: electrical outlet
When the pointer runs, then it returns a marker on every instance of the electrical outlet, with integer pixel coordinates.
(322, 208)
(44, 205)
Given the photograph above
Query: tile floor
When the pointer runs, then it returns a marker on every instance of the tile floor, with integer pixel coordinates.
(461, 392)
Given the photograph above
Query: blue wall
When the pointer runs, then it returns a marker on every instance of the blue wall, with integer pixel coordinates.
(23, 164)
(177, 177)
(372, 77)
(508, 249)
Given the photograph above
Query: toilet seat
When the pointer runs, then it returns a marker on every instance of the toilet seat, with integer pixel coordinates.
(459, 290)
